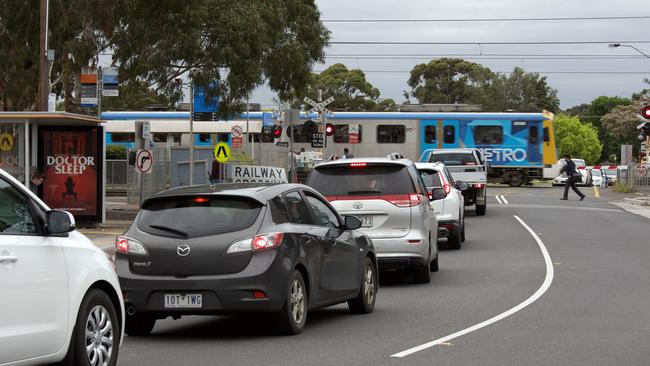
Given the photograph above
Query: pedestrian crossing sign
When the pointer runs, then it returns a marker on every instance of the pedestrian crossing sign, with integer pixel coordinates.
(222, 152)
(6, 142)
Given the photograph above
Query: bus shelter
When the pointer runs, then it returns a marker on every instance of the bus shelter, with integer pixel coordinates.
(68, 149)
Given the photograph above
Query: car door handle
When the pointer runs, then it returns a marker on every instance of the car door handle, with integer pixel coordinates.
(8, 259)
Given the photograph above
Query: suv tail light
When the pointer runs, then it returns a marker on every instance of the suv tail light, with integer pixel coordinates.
(403, 200)
(257, 243)
(479, 185)
(126, 245)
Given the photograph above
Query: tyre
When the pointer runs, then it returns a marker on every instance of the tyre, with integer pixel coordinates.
(364, 303)
(139, 325)
(293, 315)
(433, 265)
(96, 336)
(517, 179)
(422, 273)
(454, 240)
(481, 209)
(462, 230)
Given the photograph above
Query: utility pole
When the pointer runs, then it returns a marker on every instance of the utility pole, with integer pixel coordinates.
(43, 79)
(191, 133)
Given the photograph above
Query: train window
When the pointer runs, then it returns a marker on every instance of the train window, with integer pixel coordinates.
(122, 137)
(391, 134)
(533, 135)
(430, 134)
(341, 135)
(159, 137)
(492, 135)
(449, 134)
(547, 136)
(204, 137)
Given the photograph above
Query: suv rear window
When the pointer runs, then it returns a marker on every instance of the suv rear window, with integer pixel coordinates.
(453, 159)
(343, 180)
(197, 215)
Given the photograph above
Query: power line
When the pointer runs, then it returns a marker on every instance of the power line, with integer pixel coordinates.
(490, 54)
(484, 57)
(483, 19)
(528, 72)
(480, 43)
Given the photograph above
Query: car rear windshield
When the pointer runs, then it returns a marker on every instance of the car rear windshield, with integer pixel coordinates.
(194, 216)
(453, 159)
(361, 180)
(431, 178)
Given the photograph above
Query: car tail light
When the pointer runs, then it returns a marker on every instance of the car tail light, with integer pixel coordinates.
(257, 243)
(358, 165)
(126, 245)
(447, 188)
(417, 242)
(403, 200)
(201, 200)
(479, 185)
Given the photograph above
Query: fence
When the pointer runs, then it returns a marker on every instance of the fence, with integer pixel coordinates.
(116, 171)
(637, 179)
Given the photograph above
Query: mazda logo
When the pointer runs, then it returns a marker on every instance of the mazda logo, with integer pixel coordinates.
(183, 250)
(357, 205)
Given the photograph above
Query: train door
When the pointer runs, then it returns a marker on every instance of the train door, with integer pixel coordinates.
(534, 145)
(428, 136)
(449, 132)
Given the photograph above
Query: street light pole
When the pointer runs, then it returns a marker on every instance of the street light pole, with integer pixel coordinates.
(191, 133)
(616, 45)
(43, 80)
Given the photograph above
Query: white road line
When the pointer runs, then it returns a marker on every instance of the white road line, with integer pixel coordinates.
(505, 200)
(545, 285)
(498, 199)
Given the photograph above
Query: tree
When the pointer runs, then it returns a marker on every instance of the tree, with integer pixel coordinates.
(450, 81)
(227, 47)
(350, 89)
(620, 125)
(576, 138)
(136, 95)
(520, 92)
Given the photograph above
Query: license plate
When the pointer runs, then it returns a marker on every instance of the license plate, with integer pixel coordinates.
(366, 221)
(183, 301)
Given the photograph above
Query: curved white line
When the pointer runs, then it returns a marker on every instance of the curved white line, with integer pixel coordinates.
(498, 199)
(545, 285)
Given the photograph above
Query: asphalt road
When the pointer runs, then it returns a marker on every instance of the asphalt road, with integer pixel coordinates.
(595, 311)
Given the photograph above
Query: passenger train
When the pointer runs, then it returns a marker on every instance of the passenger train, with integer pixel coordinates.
(518, 146)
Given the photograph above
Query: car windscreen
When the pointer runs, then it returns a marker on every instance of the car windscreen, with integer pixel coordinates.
(453, 159)
(361, 180)
(193, 216)
(431, 178)
(595, 173)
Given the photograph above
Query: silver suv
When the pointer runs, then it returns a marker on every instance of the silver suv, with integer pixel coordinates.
(390, 198)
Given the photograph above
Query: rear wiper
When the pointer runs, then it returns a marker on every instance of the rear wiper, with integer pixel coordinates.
(168, 229)
(367, 191)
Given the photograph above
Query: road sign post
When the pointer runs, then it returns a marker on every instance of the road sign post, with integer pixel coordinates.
(319, 107)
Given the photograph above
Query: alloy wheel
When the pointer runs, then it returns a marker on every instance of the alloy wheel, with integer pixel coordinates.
(99, 336)
(297, 301)
(369, 285)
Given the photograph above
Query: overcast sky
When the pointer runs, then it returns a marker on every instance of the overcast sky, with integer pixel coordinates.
(573, 88)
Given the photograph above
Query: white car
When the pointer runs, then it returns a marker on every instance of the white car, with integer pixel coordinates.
(60, 299)
(598, 179)
(450, 211)
(560, 180)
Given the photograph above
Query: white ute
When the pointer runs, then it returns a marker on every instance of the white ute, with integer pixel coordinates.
(60, 299)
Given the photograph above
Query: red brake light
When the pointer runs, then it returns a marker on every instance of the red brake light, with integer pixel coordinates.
(122, 245)
(201, 200)
(358, 165)
(447, 188)
(479, 185)
(267, 241)
(403, 200)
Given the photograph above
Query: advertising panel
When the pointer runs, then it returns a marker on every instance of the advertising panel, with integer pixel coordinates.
(71, 161)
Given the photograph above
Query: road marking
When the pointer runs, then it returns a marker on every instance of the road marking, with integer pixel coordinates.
(582, 208)
(505, 200)
(545, 285)
(498, 199)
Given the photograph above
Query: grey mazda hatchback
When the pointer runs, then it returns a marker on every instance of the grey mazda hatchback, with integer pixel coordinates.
(229, 248)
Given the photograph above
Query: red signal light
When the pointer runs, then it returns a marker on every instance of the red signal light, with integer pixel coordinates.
(645, 112)
(277, 132)
(329, 129)
(201, 200)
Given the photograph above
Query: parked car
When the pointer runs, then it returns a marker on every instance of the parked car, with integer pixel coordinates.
(390, 198)
(598, 179)
(450, 211)
(59, 296)
(203, 250)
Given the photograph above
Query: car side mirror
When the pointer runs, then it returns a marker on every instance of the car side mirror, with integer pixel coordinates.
(352, 222)
(463, 186)
(438, 193)
(59, 222)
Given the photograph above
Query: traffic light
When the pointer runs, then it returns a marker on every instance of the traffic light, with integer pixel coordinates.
(645, 112)
(277, 132)
(329, 129)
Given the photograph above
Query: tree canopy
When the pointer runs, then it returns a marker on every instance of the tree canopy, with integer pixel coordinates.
(620, 125)
(520, 91)
(576, 138)
(225, 47)
(350, 89)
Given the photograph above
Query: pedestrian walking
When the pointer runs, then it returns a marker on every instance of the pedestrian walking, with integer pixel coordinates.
(573, 176)
(346, 154)
(214, 174)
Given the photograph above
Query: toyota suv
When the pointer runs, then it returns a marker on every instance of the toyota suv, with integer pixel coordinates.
(390, 198)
